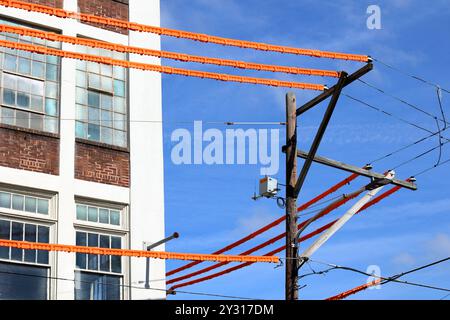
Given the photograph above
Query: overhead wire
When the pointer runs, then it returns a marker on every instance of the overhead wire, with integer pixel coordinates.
(158, 68)
(133, 26)
(421, 79)
(277, 250)
(128, 286)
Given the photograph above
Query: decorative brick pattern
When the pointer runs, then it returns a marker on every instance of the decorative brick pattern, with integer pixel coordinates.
(22, 149)
(102, 164)
(50, 3)
(117, 9)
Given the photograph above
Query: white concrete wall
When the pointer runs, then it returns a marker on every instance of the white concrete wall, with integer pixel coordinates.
(146, 194)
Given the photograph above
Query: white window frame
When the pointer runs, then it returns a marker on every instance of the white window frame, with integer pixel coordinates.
(121, 231)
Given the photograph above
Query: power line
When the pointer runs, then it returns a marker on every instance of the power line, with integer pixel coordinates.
(392, 278)
(413, 106)
(431, 168)
(410, 75)
(130, 286)
(420, 156)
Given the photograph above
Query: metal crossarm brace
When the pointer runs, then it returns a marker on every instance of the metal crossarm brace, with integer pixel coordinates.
(326, 94)
(320, 133)
(354, 169)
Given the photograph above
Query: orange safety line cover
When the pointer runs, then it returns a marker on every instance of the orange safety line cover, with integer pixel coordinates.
(178, 33)
(134, 253)
(165, 54)
(270, 225)
(345, 294)
(158, 68)
(319, 230)
(327, 210)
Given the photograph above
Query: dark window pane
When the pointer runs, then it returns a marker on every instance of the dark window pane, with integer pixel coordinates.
(104, 260)
(91, 286)
(5, 200)
(23, 282)
(92, 258)
(4, 234)
(23, 100)
(43, 237)
(81, 240)
(16, 234)
(93, 99)
(30, 235)
(116, 261)
(9, 97)
(93, 132)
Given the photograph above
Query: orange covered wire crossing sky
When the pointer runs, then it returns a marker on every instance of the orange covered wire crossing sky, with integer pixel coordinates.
(132, 26)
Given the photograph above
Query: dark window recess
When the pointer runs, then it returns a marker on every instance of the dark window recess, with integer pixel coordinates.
(92, 286)
(23, 282)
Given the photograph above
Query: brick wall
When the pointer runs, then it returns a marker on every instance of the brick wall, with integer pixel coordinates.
(50, 3)
(102, 164)
(117, 9)
(20, 149)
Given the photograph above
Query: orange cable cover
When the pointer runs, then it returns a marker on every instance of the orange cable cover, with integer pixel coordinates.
(165, 54)
(158, 68)
(307, 236)
(360, 288)
(134, 253)
(178, 33)
(270, 225)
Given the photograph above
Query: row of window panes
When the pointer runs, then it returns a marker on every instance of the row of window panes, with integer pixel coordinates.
(100, 100)
(11, 230)
(97, 214)
(96, 262)
(101, 82)
(22, 62)
(30, 120)
(24, 203)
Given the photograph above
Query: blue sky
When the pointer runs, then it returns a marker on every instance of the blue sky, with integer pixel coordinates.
(210, 205)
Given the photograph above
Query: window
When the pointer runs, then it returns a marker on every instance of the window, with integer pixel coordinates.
(25, 203)
(96, 262)
(92, 286)
(14, 230)
(29, 84)
(102, 281)
(98, 214)
(101, 100)
(23, 282)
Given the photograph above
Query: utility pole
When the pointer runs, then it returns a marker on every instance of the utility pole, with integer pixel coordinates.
(291, 199)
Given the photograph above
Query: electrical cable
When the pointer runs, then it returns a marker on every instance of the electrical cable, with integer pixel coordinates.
(128, 286)
(133, 26)
(270, 225)
(420, 156)
(415, 107)
(164, 54)
(409, 75)
(303, 238)
(158, 68)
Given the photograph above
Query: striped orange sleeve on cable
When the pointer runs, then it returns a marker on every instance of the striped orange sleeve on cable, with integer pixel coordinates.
(165, 54)
(327, 210)
(350, 292)
(158, 68)
(60, 13)
(315, 232)
(270, 225)
(134, 253)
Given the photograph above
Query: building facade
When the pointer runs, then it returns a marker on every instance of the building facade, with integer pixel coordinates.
(81, 158)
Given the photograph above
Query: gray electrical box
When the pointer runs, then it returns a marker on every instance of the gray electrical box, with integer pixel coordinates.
(268, 187)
